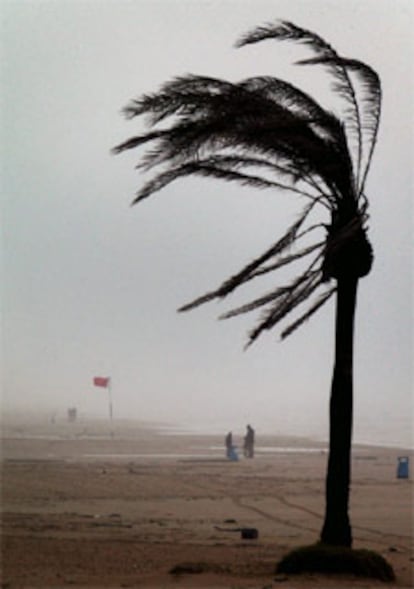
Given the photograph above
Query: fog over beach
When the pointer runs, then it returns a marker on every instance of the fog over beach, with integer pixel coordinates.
(141, 447)
(90, 285)
(383, 434)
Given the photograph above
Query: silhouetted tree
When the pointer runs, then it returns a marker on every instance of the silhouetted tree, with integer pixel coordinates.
(266, 133)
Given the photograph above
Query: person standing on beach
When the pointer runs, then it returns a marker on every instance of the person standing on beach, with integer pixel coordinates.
(249, 442)
(229, 444)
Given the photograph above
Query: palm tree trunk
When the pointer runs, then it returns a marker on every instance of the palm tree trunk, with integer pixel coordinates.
(337, 529)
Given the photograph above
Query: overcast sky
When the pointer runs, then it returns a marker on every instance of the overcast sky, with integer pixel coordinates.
(91, 285)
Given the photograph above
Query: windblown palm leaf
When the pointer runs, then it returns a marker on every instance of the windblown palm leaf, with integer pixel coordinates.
(266, 133)
(363, 100)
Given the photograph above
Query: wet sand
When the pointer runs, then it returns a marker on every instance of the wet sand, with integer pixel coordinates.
(82, 508)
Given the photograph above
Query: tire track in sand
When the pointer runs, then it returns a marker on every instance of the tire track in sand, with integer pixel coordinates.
(380, 541)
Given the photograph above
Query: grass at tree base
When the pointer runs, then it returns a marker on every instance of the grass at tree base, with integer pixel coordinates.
(322, 558)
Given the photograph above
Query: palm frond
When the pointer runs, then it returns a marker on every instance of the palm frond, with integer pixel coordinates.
(240, 160)
(265, 115)
(183, 95)
(282, 30)
(288, 259)
(287, 31)
(284, 169)
(300, 103)
(247, 273)
(209, 168)
(257, 303)
(369, 97)
(370, 104)
(311, 311)
(324, 123)
(138, 140)
(286, 292)
(287, 303)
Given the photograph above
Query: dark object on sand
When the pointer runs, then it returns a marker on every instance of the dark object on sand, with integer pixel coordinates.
(403, 467)
(246, 533)
(249, 533)
(190, 568)
(322, 558)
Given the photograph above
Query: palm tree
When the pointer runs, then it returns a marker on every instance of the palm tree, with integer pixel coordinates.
(266, 133)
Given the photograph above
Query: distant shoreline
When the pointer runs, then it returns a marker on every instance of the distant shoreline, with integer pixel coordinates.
(22, 425)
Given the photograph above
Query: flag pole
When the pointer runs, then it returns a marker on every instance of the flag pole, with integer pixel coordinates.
(106, 382)
(109, 387)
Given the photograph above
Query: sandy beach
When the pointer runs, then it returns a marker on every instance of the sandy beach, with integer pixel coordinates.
(149, 507)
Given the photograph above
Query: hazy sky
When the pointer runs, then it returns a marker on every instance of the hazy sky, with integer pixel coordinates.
(91, 285)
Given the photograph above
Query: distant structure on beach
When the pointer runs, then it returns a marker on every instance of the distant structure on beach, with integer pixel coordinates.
(72, 414)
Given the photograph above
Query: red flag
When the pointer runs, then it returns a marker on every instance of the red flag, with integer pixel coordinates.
(101, 381)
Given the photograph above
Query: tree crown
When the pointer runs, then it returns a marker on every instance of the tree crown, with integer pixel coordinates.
(266, 133)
